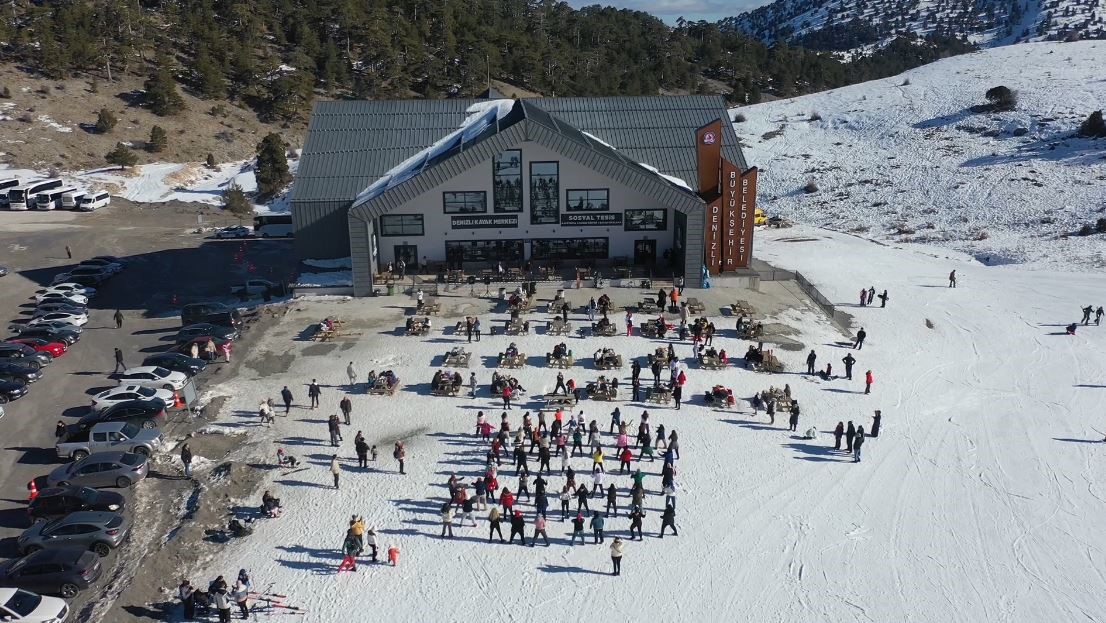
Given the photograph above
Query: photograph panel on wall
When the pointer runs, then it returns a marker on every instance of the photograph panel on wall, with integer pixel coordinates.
(545, 193)
(646, 220)
(507, 182)
(587, 200)
(466, 202)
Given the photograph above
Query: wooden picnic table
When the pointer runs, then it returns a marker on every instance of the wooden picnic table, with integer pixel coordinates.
(429, 306)
(559, 327)
(695, 306)
(458, 358)
(514, 274)
(559, 399)
(648, 306)
(419, 326)
(557, 305)
(516, 327)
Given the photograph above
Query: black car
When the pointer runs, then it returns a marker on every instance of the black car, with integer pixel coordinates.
(27, 355)
(88, 281)
(55, 502)
(64, 571)
(12, 390)
(176, 362)
(16, 371)
(192, 331)
(215, 313)
(139, 412)
(66, 336)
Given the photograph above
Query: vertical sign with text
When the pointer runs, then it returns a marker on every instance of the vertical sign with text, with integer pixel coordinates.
(731, 201)
(747, 218)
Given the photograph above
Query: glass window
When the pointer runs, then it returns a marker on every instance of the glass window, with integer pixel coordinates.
(401, 225)
(591, 200)
(569, 248)
(469, 202)
(507, 182)
(484, 250)
(545, 193)
(646, 220)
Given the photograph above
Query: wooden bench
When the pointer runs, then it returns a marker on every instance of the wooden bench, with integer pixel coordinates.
(610, 330)
(559, 400)
(742, 308)
(523, 307)
(322, 334)
(695, 306)
(516, 327)
(556, 306)
(457, 358)
(608, 362)
(445, 388)
(429, 306)
(659, 395)
(661, 355)
(711, 363)
(751, 331)
(594, 393)
(560, 362)
(380, 387)
(648, 307)
(559, 327)
(419, 326)
(512, 361)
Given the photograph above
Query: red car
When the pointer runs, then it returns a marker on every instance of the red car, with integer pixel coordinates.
(56, 349)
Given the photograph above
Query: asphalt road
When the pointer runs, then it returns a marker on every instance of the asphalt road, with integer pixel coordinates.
(167, 266)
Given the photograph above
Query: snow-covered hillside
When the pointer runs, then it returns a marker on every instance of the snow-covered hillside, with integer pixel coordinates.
(853, 24)
(906, 159)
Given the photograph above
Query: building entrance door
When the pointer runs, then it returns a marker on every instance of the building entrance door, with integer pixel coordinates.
(409, 253)
(645, 252)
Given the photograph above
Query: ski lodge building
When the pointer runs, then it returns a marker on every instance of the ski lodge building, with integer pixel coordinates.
(654, 183)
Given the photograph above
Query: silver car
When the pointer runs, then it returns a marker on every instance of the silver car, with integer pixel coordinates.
(101, 469)
(96, 531)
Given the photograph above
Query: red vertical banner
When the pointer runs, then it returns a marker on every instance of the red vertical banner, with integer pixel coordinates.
(712, 249)
(731, 191)
(746, 218)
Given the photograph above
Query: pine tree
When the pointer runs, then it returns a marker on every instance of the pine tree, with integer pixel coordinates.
(272, 166)
(159, 140)
(121, 156)
(161, 90)
(105, 121)
(235, 202)
(209, 77)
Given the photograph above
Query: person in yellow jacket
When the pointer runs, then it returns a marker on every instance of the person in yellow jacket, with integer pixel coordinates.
(597, 460)
(357, 527)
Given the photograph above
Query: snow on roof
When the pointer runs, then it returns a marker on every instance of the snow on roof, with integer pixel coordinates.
(481, 116)
(669, 178)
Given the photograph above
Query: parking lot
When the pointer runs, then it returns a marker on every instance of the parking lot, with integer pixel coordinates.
(168, 265)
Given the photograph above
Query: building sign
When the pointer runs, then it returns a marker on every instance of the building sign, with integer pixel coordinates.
(483, 222)
(709, 138)
(747, 218)
(731, 202)
(592, 219)
(709, 157)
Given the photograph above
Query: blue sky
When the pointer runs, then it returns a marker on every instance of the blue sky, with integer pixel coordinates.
(691, 10)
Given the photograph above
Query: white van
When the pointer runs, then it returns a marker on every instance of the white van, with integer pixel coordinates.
(94, 201)
(50, 199)
(72, 199)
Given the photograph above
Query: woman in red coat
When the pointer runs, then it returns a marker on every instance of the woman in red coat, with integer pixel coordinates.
(507, 499)
(868, 380)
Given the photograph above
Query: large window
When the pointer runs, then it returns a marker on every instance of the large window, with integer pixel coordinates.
(569, 249)
(507, 182)
(469, 202)
(592, 200)
(484, 250)
(545, 193)
(401, 225)
(646, 220)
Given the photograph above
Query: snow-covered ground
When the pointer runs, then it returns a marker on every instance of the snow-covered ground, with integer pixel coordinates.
(906, 159)
(981, 499)
(168, 181)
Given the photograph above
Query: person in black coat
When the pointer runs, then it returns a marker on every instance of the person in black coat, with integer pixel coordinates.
(60, 429)
(850, 433)
(677, 394)
(286, 396)
(860, 335)
(518, 526)
(875, 423)
(837, 434)
(314, 392)
(849, 360)
(794, 419)
(668, 519)
(810, 359)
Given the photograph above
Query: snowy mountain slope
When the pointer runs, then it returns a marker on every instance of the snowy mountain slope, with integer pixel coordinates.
(905, 159)
(851, 24)
(980, 500)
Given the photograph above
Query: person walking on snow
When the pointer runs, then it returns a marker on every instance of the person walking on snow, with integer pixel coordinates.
(118, 319)
(596, 527)
(1087, 314)
(539, 528)
(578, 528)
(119, 365)
(400, 454)
(668, 519)
(850, 433)
(335, 470)
(362, 449)
(875, 423)
(871, 295)
(616, 556)
(860, 335)
(286, 396)
(314, 392)
(186, 459)
(612, 500)
(952, 279)
(793, 421)
(868, 380)
(883, 299)
(1098, 313)
(859, 441)
(447, 520)
(810, 360)
(352, 374)
(346, 406)
(494, 519)
(849, 361)
(863, 297)
(837, 434)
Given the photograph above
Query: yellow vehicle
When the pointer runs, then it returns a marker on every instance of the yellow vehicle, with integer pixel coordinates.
(759, 218)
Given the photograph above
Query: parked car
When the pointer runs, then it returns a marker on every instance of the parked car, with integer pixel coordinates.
(56, 348)
(67, 335)
(124, 393)
(90, 530)
(55, 502)
(254, 287)
(102, 469)
(12, 390)
(176, 362)
(21, 353)
(144, 413)
(17, 371)
(69, 287)
(110, 258)
(237, 231)
(195, 313)
(153, 376)
(46, 307)
(103, 264)
(192, 331)
(21, 327)
(3, 271)
(89, 281)
(20, 606)
(64, 571)
(201, 342)
(47, 296)
(108, 436)
(72, 318)
(1, 412)
(82, 272)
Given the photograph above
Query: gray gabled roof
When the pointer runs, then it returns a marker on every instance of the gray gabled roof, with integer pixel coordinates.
(350, 144)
